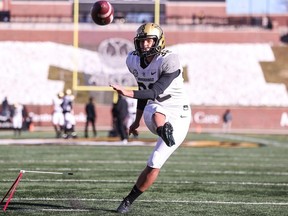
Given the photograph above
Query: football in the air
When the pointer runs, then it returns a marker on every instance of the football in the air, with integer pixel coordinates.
(102, 13)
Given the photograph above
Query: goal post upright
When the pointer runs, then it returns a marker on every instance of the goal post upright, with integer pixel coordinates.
(75, 44)
(75, 85)
(157, 12)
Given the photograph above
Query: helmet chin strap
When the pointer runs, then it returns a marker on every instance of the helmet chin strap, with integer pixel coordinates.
(151, 52)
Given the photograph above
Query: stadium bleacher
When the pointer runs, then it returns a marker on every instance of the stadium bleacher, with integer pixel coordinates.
(230, 74)
(219, 74)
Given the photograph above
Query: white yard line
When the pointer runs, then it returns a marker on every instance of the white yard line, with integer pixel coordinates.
(72, 142)
(125, 162)
(153, 201)
(73, 161)
(158, 182)
(220, 172)
(65, 210)
(258, 164)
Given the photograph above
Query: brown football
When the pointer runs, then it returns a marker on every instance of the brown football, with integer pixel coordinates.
(102, 13)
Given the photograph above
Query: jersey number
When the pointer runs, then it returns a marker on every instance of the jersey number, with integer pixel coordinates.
(142, 86)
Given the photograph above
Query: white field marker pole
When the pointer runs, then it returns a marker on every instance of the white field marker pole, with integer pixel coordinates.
(43, 172)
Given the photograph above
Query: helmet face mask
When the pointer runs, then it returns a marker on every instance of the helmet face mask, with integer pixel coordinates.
(149, 30)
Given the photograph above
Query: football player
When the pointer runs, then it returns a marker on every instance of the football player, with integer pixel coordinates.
(162, 101)
(17, 118)
(57, 115)
(69, 118)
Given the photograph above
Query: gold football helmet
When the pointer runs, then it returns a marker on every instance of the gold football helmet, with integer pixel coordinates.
(60, 94)
(68, 92)
(149, 30)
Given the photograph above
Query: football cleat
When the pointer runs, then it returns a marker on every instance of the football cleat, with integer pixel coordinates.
(65, 136)
(124, 206)
(167, 134)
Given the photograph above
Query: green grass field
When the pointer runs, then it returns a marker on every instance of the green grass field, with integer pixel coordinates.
(198, 181)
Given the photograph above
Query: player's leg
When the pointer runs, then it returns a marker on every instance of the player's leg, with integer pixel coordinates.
(149, 175)
(159, 119)
(20, 125)
(71, 124)
(156, 120)
(86, 128)
(16, 125)
(144, 181)
(55, 124)
(65, 126)
(61, 124)
(161, 152)
(122, 130)
(94, 127)
(147, 178)
(164, 128)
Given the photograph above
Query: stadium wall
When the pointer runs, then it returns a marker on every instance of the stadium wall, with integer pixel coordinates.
(179, 10)
(45, 10)
(184, 12)
(94, 35)
(273, 120)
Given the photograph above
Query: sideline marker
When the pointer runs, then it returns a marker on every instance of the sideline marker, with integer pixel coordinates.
(12, 190)
(16, 182)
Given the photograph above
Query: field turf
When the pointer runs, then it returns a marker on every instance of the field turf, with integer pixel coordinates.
(200, 181)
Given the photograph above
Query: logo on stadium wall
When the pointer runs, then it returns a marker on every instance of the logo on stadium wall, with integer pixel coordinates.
(113, 52)
(203, 118)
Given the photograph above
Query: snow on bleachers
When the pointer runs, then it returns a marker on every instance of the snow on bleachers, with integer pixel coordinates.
(219, 74)
(230, 74)
(25, 66)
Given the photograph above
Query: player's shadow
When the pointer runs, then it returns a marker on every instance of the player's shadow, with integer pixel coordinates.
(22, 206)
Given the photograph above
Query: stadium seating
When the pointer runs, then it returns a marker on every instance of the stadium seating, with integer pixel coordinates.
(230, 74)
(219, 74)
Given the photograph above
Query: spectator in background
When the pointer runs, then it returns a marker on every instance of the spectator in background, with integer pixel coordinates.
(113, 132)
(270, 24)
(69, 118)
(201, 17)
(90, 117)
(57, 115)
(27, 119)
(5, 108)
(227, 120)
(267, 22)
(194, 19)
(17, 118)
(120, 114)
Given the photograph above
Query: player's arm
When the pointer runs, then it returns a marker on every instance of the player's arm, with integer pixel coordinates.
(158, 87)
(144, 94)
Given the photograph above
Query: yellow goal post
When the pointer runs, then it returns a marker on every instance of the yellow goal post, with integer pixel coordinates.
(75, 85)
